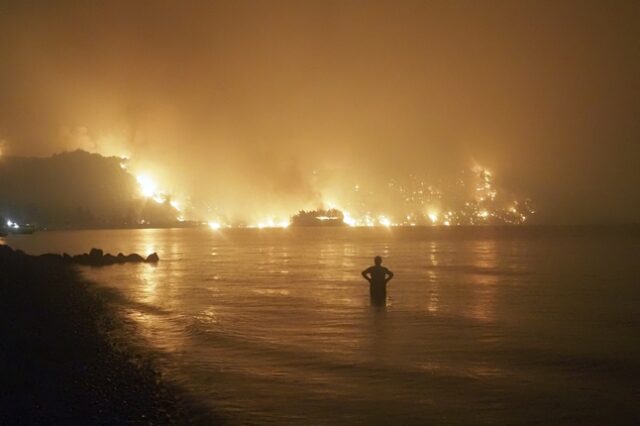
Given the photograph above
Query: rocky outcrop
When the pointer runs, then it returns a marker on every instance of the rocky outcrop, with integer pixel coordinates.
(95, 257)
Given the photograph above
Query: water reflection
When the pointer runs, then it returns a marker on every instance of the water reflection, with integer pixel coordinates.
(433, 279)
(149, 281)
(483, 281)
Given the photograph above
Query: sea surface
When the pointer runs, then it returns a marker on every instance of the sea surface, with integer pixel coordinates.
(515, 325)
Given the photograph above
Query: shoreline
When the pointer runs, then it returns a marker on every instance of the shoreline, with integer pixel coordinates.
(57, 363)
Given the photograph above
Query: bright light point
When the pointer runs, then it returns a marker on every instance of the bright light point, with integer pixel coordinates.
(147, 185)
(433, 217)
(214, 225)
(175, 205)
(346, 218)
(384, 221)
(284, 224)
(483, 214)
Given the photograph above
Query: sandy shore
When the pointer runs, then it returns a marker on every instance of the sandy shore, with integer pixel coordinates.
(58, 367)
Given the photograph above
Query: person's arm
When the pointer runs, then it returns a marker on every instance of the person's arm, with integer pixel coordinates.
(389, 275)
(364, 274)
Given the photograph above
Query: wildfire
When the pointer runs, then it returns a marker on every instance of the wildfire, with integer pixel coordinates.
(148, 187)
(384, 221)
(473, 199)
(271, 223)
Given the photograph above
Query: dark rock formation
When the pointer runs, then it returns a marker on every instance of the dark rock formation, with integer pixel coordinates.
(96, 257)
(96, 253)
(134, 258)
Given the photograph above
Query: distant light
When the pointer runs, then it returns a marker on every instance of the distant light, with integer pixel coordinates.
(384, 221)
(147, 185)
(346, 218)
(433, 216)
(215, 225)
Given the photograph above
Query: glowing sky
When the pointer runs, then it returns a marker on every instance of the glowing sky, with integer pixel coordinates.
(272, 102)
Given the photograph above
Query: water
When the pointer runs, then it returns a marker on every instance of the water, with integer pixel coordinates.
(481, 326)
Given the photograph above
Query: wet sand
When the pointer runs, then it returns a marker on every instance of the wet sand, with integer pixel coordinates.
(57, 364)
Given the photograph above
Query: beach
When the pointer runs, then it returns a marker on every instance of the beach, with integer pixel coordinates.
(57, 363)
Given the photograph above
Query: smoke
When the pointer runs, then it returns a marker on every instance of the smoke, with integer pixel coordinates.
(248, 109)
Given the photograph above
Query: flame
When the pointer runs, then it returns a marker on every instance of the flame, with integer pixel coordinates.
(384, 221)
(413, 202)
(348, 219)
(147, 186)
(433, 216)
(271, 223)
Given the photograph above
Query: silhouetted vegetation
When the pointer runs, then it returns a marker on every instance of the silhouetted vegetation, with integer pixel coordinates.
(76, 189)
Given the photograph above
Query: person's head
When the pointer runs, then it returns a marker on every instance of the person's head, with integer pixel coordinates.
(377, 260)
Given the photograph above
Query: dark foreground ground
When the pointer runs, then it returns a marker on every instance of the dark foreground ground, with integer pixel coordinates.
(57, 365)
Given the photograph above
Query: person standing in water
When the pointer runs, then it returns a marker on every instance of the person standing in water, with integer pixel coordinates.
(378, 277)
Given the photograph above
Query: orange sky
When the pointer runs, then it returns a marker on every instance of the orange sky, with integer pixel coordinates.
(242, 101)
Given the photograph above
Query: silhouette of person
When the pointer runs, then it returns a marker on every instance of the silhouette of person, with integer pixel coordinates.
(378, 277)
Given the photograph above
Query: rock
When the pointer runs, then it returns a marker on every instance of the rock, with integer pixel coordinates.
(135, 258)
(51, 256)
(5, 250)
(94, 258)
(95, 253)
(83, 259)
